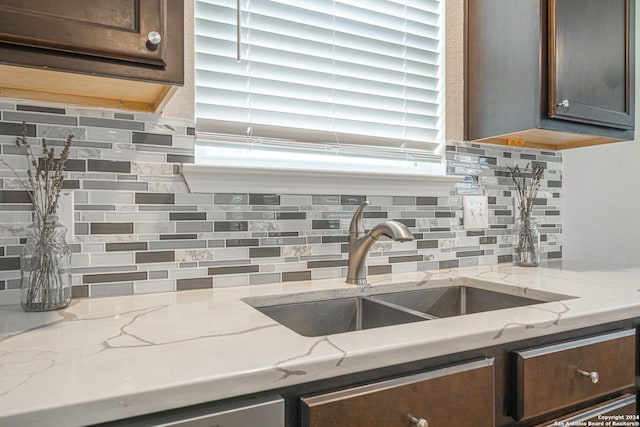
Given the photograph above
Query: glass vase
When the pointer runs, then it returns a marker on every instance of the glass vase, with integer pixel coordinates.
(526, 241)
(45, 267)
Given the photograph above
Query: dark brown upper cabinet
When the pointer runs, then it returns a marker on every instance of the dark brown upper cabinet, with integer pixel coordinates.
(550, 74)
(135, 46)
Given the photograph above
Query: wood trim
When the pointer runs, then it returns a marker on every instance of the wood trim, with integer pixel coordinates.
(78, 89)
(505, 142)
(164, 95)
(465, 73)
(551, 58)
(549, 140)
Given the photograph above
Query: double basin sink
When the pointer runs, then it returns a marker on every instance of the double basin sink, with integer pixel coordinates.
(324, 313)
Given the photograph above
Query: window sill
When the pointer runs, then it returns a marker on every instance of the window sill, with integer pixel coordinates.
(228, 179)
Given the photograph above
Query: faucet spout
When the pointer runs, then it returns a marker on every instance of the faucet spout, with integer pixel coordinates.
(360, 243)
(393, 230)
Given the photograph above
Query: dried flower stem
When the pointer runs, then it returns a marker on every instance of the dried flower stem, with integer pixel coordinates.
(526, 193)
(45, 176)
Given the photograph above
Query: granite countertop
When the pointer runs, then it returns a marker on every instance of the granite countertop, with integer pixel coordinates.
(112, 358)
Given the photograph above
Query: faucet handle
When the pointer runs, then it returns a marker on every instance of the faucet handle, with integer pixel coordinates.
(356, 226)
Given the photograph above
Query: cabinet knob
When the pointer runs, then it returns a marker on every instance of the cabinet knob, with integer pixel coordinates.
(154, 37)
(419, 422)
(564, 103)
(153, 40)
(594, 376)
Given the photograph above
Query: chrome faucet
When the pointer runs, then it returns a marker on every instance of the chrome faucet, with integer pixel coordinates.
(360, 243)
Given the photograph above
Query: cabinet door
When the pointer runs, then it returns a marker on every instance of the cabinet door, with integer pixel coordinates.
(461, 396)
(114, 29)
(591, 61)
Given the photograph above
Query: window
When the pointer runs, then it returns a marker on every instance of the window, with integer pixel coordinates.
(320, 84)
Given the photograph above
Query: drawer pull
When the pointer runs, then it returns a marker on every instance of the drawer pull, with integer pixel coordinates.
(593, 376)
(419, 422)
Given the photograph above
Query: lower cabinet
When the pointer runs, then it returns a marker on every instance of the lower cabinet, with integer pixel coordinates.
(554, 382)
(461, 396)
(555, 378)
(568, 379)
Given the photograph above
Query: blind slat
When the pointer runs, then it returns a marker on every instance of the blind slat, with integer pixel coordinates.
(273, 136)
(314, 67)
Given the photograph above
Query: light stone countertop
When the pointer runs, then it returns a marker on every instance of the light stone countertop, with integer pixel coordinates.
(111, 358)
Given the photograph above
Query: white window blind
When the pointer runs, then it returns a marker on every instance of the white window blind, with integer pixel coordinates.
(344, 78)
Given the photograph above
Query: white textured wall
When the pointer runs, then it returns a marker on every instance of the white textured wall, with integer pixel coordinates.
(182, 105)
(602, 199)
(454, 69)
(602, 204)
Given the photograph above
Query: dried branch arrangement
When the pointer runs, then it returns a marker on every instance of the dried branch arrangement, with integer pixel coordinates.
(45, 175)
(526, 235)
(526, 192)
(45, 263)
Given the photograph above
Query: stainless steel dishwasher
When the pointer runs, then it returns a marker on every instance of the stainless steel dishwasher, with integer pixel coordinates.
(265, 411)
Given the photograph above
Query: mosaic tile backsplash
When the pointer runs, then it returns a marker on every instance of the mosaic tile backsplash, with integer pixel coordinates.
(138, 230)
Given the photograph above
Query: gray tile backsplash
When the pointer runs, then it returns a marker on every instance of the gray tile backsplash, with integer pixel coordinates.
(138, 229)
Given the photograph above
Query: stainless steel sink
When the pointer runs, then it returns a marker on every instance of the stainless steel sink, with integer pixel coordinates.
(355, 308)
(455, 300)
(317, 318)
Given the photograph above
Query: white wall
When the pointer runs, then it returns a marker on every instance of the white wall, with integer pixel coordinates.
(182, 105)
(454, 69)
(602, 199)
(602, 204)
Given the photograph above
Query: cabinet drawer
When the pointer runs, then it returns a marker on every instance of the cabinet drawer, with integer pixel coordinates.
(624, 406)
(263, 411)
(556, 376)
(460, 396)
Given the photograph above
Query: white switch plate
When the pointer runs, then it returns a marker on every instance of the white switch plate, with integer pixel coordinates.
(475, 211)
(65, 214)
